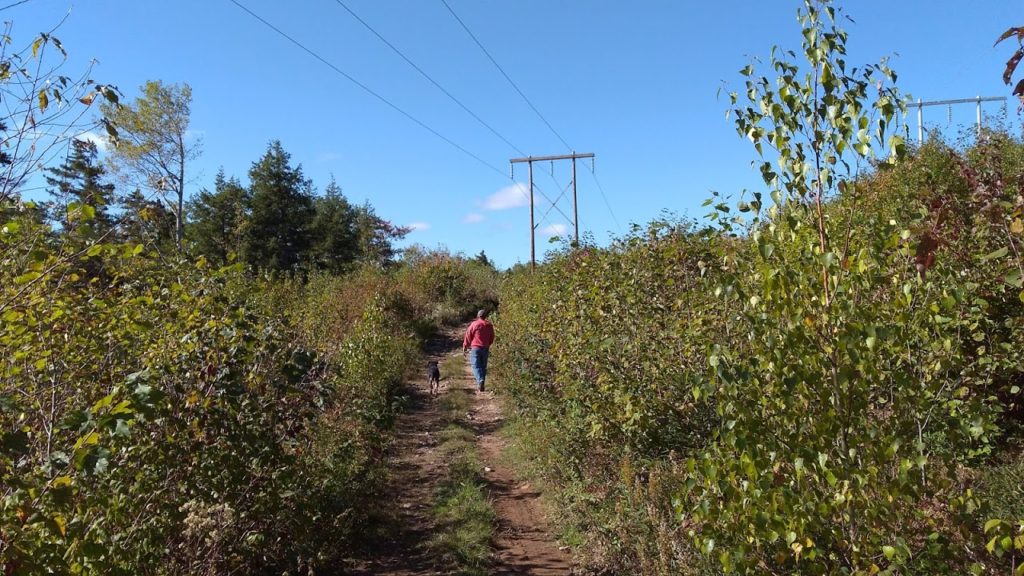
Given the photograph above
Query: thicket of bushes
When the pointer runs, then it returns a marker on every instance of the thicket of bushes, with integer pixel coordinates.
(164, 409)
(688, 397)
(160, 416)
(828, 383)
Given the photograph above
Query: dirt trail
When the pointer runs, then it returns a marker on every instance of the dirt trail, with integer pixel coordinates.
(398, 546)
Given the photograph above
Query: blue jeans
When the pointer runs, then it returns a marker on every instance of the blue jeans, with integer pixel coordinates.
(478, 360)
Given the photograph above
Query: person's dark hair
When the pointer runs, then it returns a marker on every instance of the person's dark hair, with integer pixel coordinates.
(481, 314)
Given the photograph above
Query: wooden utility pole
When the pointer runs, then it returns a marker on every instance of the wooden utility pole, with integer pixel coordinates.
(529, 160)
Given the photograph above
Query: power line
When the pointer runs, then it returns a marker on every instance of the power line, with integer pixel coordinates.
(385, 100)
(503, 73)
(532, 107)
(600, 188)
(391, 104)
(428, 77)
(368, 90)
(12, 5)
(446, 93)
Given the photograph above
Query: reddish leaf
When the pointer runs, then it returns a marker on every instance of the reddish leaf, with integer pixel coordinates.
(924, 257)
(1011, 65)
(1019, 90)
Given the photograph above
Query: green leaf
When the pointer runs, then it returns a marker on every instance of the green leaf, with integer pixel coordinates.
(889, 552)
(992, 524)
(27, 277)
(995, 254)
(1013, 278)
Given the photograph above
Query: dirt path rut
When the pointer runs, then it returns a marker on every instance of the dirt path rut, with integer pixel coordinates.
(403, 526)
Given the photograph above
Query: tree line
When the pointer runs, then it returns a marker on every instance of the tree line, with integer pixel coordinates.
(278, 222)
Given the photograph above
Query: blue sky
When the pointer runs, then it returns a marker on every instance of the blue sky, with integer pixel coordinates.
(634, 82)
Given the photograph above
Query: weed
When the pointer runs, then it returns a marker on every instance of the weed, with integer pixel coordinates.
(464, 515)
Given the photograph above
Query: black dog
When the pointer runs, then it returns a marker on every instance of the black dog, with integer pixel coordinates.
(434, 376)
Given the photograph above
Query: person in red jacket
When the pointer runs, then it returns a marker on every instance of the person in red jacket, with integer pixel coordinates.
(478, 340)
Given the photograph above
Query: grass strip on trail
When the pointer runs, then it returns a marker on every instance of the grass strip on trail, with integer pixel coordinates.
(463, 513)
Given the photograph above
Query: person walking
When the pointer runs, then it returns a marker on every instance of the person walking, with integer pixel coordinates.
(478, 340)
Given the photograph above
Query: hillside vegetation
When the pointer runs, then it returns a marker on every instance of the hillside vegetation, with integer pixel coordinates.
(823, 380)
(193, 393)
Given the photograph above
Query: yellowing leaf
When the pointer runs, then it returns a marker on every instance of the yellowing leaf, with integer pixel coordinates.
(89, 439)
(44, 100)
(62, 524)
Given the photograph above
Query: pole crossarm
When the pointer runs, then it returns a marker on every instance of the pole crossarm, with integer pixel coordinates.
(547, 158)
(977, 100)
(959, 101)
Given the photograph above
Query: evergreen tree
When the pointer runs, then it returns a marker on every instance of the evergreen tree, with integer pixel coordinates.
(219, 218)
(376, 236)
(483, 259)
(146, 221)
(81, 197)
(278, 236)
(335, 237)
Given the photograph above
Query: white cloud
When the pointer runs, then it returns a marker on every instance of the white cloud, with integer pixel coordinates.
(554, 230)
(473, 218)
(512, 196)
(419, 226)
(101, 142)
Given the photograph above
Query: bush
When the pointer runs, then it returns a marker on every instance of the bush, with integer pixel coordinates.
(159, 417)
(813, 387)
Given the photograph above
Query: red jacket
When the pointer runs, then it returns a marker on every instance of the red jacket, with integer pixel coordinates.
(480, 334)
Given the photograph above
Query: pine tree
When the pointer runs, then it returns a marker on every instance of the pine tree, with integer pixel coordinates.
(278, 236)
(81, 197)
(219, 218)
(335, 238)
(146, 221)
(376, 236)
(483, 259)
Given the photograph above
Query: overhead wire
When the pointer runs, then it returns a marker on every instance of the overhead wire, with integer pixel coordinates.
(452, 97)
(429, 78)
(530, 104)
(394, 106)
(503, 73)
(13, 4)
(600, 189)
(369, 90)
